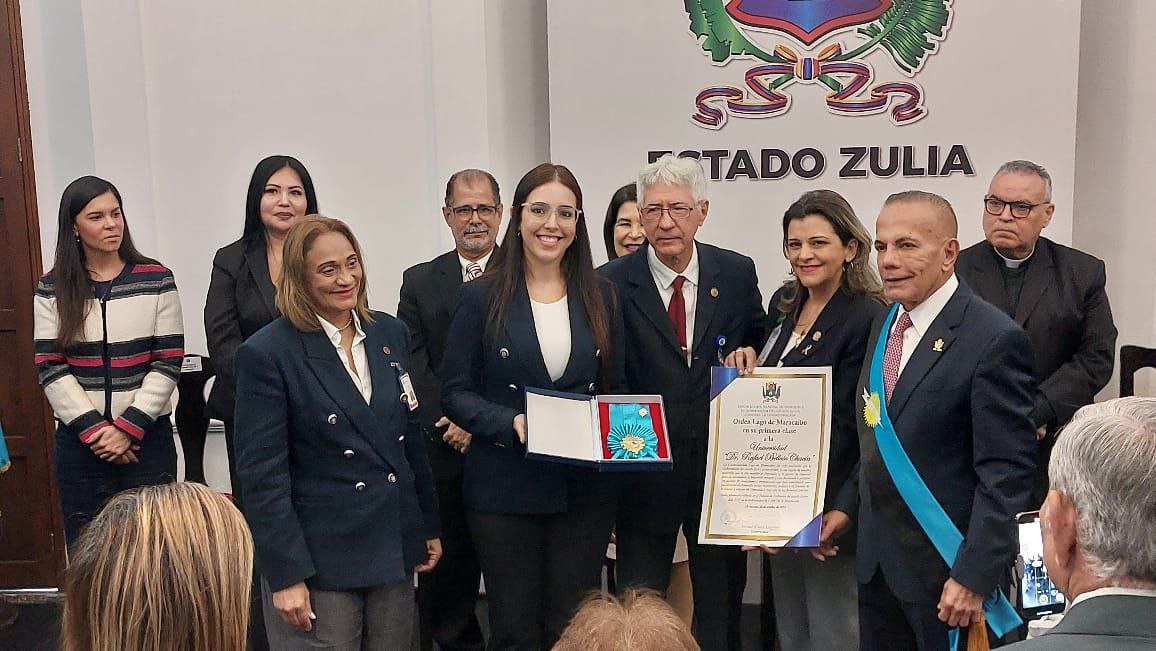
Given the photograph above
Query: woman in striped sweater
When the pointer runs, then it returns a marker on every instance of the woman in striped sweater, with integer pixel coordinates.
(109, 344)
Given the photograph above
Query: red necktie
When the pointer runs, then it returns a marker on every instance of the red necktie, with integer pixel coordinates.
(677, 312)
(894, 354)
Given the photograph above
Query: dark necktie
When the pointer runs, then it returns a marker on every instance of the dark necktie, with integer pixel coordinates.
(677, 312)
(894, 354)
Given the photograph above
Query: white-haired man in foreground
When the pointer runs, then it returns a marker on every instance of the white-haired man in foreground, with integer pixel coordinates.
(1099, 528)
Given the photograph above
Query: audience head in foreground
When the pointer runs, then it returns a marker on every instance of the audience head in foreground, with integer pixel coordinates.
(1099, 520)
(638, 621)
(161, 567)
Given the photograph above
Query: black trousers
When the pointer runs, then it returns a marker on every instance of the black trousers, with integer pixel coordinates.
(887, 623)
(257, 638)
(538, 568)
(448, 596)
(718, 574)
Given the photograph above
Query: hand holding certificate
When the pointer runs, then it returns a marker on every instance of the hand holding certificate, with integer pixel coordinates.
(767, 453)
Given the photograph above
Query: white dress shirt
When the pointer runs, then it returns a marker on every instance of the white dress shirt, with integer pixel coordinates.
(359, 372)
(552, 323)
(1105, 592)
(922, 316)
(664, 279)
(482, 262)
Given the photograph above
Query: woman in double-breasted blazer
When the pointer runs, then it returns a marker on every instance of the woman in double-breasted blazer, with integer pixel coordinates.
(539, 317)
(825, 316)
(341, 499)
(242, 295)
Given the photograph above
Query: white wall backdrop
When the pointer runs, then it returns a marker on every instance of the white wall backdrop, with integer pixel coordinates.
(631, 88)
(176, 102)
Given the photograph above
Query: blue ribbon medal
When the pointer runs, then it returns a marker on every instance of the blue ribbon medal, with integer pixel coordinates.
(632, 434)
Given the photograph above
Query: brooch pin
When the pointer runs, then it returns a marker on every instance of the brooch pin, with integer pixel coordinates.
(386, 350)
(938, 346)
(817, 336)
(714, 292)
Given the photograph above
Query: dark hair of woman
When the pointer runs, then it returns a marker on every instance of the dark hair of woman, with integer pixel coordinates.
(73, 286)
(625, 194)
(858, 276)
(507, 268)
(254, 229)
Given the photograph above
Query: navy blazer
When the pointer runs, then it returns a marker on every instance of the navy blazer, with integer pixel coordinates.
(241, 301)
(484, 382)
(960, 409)
(1064, 309)
(428, 294)
(728, 308)
(838, 338)
(338, 492)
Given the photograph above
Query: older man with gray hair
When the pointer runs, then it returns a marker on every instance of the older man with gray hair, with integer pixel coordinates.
(685, 306)
(1099, 528)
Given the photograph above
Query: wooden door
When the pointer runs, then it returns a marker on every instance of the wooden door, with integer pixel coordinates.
(31, 542)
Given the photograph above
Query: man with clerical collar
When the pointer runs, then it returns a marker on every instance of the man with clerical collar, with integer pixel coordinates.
(447, 596)
(947, 450)
(1099, 528)
(685, 306)
(1054, 292)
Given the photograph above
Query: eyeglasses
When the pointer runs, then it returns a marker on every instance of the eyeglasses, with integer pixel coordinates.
(465, 212)
(653, 212)
(1019, 209)
(541, 212)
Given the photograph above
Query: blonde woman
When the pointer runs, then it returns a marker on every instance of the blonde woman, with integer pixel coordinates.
(159, 568)
(338, 489)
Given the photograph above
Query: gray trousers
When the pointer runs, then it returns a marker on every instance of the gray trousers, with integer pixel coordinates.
(816, 602)
(381, 618)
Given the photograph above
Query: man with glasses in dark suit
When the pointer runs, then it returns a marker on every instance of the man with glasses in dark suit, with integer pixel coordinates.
(685, 305)
(447, 596)
(1054, 292)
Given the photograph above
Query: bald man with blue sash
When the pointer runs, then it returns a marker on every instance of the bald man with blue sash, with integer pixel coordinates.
(947, 446)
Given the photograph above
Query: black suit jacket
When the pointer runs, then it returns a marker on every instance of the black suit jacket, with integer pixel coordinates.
(241, 301)
(1064, 309)
(961, 413)
(337, 492)
(484, 383)
(728, 308)
(838, 338)
(428, 294)
(1117, 622)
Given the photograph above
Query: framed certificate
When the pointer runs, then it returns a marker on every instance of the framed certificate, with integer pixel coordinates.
(610, 432)
(767, 452)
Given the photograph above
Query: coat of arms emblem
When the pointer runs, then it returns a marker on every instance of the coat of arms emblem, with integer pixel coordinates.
(816, 42)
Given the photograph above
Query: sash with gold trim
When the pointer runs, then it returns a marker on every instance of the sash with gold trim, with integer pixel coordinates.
(905, 480)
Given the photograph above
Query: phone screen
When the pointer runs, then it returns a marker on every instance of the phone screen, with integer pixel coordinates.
(1038, 595)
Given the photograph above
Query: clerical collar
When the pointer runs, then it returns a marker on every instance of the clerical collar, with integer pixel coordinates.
(1014, 264)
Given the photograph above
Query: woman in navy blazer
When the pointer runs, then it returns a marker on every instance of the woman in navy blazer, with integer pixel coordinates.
(539, 317)
(241, 298)
(825, 316)
(340, 497)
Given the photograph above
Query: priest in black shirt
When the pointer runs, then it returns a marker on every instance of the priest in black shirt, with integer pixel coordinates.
(1054, 292)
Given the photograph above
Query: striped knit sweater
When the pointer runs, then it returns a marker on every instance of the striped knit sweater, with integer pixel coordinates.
(124, 369)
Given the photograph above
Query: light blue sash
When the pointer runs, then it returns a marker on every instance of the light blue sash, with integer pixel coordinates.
(944, 535)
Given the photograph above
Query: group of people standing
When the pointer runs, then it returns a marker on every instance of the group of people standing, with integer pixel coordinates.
(364, 448)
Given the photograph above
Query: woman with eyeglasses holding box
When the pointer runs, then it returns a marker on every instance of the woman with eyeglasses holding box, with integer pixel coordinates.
(538, 317)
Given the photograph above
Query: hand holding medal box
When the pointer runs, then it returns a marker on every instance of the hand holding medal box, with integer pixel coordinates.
(626, 432)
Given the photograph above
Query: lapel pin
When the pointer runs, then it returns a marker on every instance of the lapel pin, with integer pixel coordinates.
(938, 346)
(817, 336)
(503, 353)
(807, 350)
(386, 350)
(714, 292)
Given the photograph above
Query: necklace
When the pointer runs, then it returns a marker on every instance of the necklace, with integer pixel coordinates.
(346, 326)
